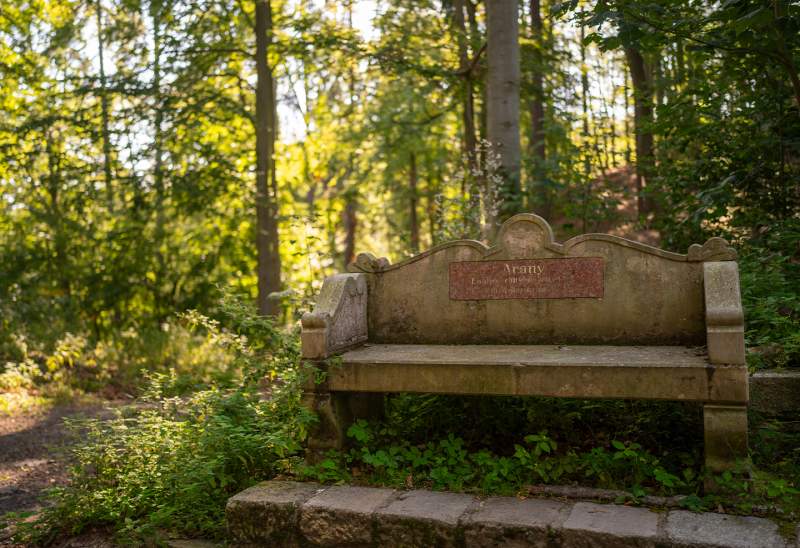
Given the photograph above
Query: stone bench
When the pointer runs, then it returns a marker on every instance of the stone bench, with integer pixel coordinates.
(595, 317)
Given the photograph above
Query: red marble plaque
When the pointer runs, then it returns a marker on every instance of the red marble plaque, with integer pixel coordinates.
(568, 278)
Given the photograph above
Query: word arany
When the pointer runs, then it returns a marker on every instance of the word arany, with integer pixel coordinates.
(552, 278)
(525, 269)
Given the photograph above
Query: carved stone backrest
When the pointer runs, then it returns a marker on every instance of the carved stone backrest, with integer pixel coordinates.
(339, 319)
(640, 294)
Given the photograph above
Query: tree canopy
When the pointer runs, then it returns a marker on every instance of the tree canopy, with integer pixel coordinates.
(140, 137)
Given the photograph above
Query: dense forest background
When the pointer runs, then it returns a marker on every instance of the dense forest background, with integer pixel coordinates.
(153, 152)
(177, 177)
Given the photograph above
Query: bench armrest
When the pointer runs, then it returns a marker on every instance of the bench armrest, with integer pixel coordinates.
(339, 319)
(724, 315)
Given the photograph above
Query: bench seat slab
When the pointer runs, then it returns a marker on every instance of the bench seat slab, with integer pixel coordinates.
(630, 372)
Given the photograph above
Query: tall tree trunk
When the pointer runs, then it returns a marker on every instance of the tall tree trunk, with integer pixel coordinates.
(104, 117)
(626, 93)
(680, 65)
(536, 108)
(642, 119)
(502, 96)
(477, 191)
(350, 221)
(351, 195)
(475, 39)
(432, 209)
(413, 221)
(468, 109)
(158, 117)
(267, 245)
(158, 157)
(613, 120)
(60, 264)
(587, 166)
(657, 79)
(608, 121)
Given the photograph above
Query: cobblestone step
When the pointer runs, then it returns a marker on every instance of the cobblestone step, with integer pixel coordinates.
(294, 514)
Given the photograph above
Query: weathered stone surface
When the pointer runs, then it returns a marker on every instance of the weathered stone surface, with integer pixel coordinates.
(342, 516)
(609, 525)
(510, 522)
(336, 411)
(650, 296)
(724, 313)
(565, 278)
(421, 519)
(710, 530)
(776, 392)
(275, 513)
(715, 249)
(725, 433)
(192, 543)
(339, 319)
(268, 512)
(661, 372)
(656, 307)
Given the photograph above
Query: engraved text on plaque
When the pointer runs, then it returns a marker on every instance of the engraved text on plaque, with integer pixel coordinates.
(570, 277)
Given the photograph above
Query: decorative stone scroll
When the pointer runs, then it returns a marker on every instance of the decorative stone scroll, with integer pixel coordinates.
(367, 262)
(715, 249)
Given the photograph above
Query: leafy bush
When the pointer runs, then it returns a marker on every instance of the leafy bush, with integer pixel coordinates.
(75, 364)
(171, 464)
(449, 464)
(770, 277)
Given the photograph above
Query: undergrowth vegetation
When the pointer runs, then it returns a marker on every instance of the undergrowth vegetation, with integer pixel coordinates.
(78, 364)
(224, 412)
(507, 445)
(218, 409)
(132, 187)
(770, 277)
(170, 462)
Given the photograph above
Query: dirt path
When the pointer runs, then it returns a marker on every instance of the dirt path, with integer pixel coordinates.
(34, 455)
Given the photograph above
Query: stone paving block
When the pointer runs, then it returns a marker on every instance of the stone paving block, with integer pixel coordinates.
(609, 525)
(511, 522)
(421, 519)
(192, 543)
(711, 530)
(267, 513)
(775, 392)
(342, 515)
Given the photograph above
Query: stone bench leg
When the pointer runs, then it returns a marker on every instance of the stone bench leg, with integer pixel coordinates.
(336, 411)
(725, 429)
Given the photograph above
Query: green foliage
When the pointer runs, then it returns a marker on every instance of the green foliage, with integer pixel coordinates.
(449, 464)
(770, 276)
(170, 464)
(474, 444)
(391, 453)
(112, 366)
(127, 197)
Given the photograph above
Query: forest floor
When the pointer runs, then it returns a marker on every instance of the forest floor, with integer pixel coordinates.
(34, 457)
